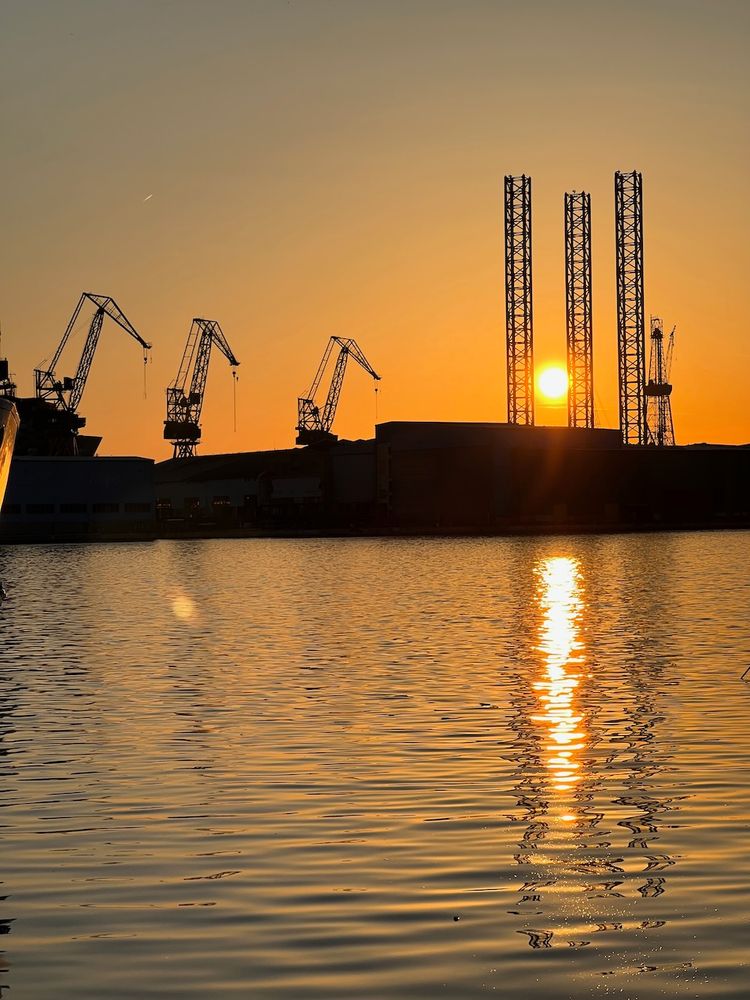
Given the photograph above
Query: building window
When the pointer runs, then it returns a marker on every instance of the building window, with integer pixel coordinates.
(137, 508)
(220, 501)
(40, 508)
(73, 508)
(106, 508)
(12, 508)
(192, 503)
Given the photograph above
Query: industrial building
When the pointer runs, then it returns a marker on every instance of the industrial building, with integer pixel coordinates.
(330, 488)
(413, 477)
(458, 478)
(74, 499)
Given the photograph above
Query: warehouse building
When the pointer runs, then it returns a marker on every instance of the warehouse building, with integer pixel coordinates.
(64, 499)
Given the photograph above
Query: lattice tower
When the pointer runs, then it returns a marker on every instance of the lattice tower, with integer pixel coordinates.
(630, 324)
(578, 309)
(518, 300)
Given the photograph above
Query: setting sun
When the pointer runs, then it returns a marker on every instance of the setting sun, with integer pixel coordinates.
(553, 382)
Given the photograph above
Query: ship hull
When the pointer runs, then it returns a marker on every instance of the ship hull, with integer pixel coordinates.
(8, 430)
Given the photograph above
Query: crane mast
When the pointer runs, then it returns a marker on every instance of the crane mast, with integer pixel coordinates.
(313, 423)
(66, 393)
(185, 394)
(658, 389)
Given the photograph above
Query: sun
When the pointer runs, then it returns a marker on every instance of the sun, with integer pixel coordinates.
(553, 382)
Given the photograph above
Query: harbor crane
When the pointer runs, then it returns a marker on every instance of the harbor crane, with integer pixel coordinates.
(185, 394)
(658, 389)
(66, 393)
(313, 424)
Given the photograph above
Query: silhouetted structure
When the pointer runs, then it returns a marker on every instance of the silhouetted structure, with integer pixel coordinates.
(630, 322)
(45, 430)
(78, 499)
(7, 385)
(413, 477)
(518, 300)
(50, 424)
(659, 425)
(578, 309)
(454, 478)
(184, 404)
(313, 424)
(66, 394)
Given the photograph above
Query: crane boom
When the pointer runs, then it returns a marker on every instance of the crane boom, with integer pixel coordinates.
(185, 394)
(314, 425)
(67, 394)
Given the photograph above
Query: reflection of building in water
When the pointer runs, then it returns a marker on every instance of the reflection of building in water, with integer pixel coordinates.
(586, 776)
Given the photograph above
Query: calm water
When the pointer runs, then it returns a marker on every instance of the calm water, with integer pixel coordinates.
(376, 769)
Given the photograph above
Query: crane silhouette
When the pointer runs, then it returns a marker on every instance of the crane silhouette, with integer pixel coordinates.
(659, 424)
(185, 394)
(66, 393)
(313, 423)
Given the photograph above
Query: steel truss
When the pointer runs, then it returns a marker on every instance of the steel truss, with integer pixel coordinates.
(313, 424)
(578, 309)
(186, 393)
(659, 423)
(66, 393)
(518, 300)
(630, 322)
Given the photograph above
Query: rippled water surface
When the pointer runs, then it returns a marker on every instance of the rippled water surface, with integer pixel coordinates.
(376, 768)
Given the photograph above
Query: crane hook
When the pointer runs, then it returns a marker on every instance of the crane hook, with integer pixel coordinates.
(235, 378)
(145, 363)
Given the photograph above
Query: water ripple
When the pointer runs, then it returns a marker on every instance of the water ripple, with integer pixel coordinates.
(376, 769)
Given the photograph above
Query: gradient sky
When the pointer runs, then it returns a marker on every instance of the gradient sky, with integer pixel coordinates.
(325, 167)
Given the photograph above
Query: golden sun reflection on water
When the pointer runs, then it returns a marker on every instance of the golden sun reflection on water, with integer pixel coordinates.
(183, 607)
(564, 737)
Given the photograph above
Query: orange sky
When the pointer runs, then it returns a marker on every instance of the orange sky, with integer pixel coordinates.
(327, 167)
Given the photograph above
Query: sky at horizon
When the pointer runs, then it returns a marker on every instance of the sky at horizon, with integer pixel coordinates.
(302, 169)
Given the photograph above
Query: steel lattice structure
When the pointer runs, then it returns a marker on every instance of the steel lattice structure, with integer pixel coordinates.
(659, 424)
(630, 322)
(313, 424)
(578, 309)
(518, 300)
(186, 393)
(66, 393)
